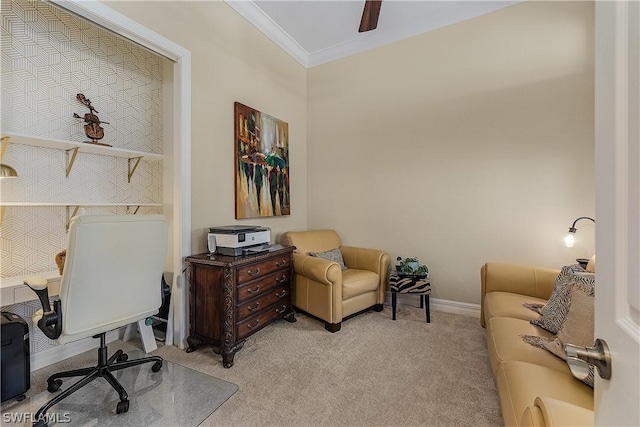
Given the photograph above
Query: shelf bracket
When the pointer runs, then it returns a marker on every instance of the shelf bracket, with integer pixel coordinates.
(75, 211)
(73, 158)
(5, 142)
(134, 212)
(132, 170)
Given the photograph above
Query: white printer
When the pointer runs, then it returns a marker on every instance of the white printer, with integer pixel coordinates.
(235, 240)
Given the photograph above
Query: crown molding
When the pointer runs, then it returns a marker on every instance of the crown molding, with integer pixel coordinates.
(256, 17)
(453, 13)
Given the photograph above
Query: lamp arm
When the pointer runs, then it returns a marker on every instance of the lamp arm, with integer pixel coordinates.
(573, 227)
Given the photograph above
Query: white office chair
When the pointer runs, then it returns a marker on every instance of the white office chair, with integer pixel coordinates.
(112, 277)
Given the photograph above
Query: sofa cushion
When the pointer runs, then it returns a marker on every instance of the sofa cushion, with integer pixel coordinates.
(508, 304)
(357, 282)
(332, 255)
(520, 383)
(504, 343)
(554, 312)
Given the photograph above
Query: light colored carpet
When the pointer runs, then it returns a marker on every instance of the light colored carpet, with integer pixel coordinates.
(374, 372)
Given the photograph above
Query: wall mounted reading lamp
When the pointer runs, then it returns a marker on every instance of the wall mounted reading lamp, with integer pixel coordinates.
(6, 171)
(570, 239)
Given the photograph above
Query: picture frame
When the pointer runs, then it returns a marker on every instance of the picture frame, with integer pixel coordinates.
(262, 187)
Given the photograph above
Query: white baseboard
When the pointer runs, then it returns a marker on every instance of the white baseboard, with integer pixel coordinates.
(448, 306)
(61, 352)
(456, 307)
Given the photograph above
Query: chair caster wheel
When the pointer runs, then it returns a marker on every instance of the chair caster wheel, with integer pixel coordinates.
(54, 386)
(156, 366)
(40, 423)
(122, 407)
(122, 358)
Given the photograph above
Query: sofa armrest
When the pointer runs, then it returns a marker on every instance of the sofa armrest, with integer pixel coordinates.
(552, 412)
(317, 269)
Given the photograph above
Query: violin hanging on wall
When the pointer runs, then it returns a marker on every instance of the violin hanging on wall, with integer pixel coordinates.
(92, 127)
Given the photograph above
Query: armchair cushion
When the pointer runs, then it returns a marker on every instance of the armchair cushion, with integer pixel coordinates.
(357, 282)
(333, 255)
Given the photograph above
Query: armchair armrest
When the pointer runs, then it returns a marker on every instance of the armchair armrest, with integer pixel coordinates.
(366, 259)
(317, 269)
(49, 321)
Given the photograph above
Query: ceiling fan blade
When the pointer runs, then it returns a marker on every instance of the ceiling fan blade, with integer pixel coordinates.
(370, 15)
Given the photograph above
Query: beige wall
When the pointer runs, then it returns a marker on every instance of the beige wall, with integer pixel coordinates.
(231, 61)
(468, 144)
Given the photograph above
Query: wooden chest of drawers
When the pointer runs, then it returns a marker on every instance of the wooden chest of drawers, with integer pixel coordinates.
(231, 298)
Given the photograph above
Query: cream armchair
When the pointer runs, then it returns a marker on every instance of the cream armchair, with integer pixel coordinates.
(323, 289)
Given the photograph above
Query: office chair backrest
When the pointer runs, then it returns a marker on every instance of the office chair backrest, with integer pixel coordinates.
(112, 273)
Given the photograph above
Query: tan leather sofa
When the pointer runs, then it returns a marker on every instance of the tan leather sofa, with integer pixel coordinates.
(323, 289)
(535, 387)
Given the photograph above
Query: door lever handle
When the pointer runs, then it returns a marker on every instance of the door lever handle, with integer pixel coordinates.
(579, 358)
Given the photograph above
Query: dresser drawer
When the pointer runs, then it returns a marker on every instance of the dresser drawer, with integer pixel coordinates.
(254, 306)
(260, 286)
(257, 322)
(253, 271)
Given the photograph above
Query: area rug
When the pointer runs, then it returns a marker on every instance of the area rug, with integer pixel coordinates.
(174, 396)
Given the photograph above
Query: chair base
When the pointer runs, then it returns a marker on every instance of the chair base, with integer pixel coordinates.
(106, 365)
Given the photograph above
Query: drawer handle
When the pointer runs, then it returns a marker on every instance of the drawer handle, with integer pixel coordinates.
(281, 263)
(253, 272)
(250, 326)
(253, 291)
(254, 308)
(281, 279)
(282, 310)
(284, 292)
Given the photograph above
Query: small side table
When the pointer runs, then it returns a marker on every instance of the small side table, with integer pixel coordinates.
(410, 285)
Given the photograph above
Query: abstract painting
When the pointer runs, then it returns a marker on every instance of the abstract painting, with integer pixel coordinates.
(261, 164)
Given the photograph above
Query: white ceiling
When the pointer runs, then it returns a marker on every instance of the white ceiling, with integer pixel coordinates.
(315, 32)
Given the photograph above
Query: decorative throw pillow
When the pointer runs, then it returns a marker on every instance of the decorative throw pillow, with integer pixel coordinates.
(534, 306)
(578, 327)
(333, 255)
(554, 312)
(591, 265)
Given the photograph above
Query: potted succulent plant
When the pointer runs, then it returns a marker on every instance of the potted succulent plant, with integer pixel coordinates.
(411, 267)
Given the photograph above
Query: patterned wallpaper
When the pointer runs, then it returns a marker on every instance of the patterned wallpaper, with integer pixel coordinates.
(47, 57)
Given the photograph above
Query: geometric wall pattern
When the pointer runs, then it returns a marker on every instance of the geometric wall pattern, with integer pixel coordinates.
(47, 57)
(38, 341)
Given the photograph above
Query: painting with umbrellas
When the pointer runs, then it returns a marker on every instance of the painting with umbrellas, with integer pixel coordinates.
(261, 164)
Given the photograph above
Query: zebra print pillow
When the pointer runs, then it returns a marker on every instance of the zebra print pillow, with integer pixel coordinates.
(555, 311)
(578, 327)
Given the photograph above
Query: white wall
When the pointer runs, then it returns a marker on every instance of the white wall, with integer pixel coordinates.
(468, 144)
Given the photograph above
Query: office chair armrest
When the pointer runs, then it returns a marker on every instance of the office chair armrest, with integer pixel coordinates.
(49, 321)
